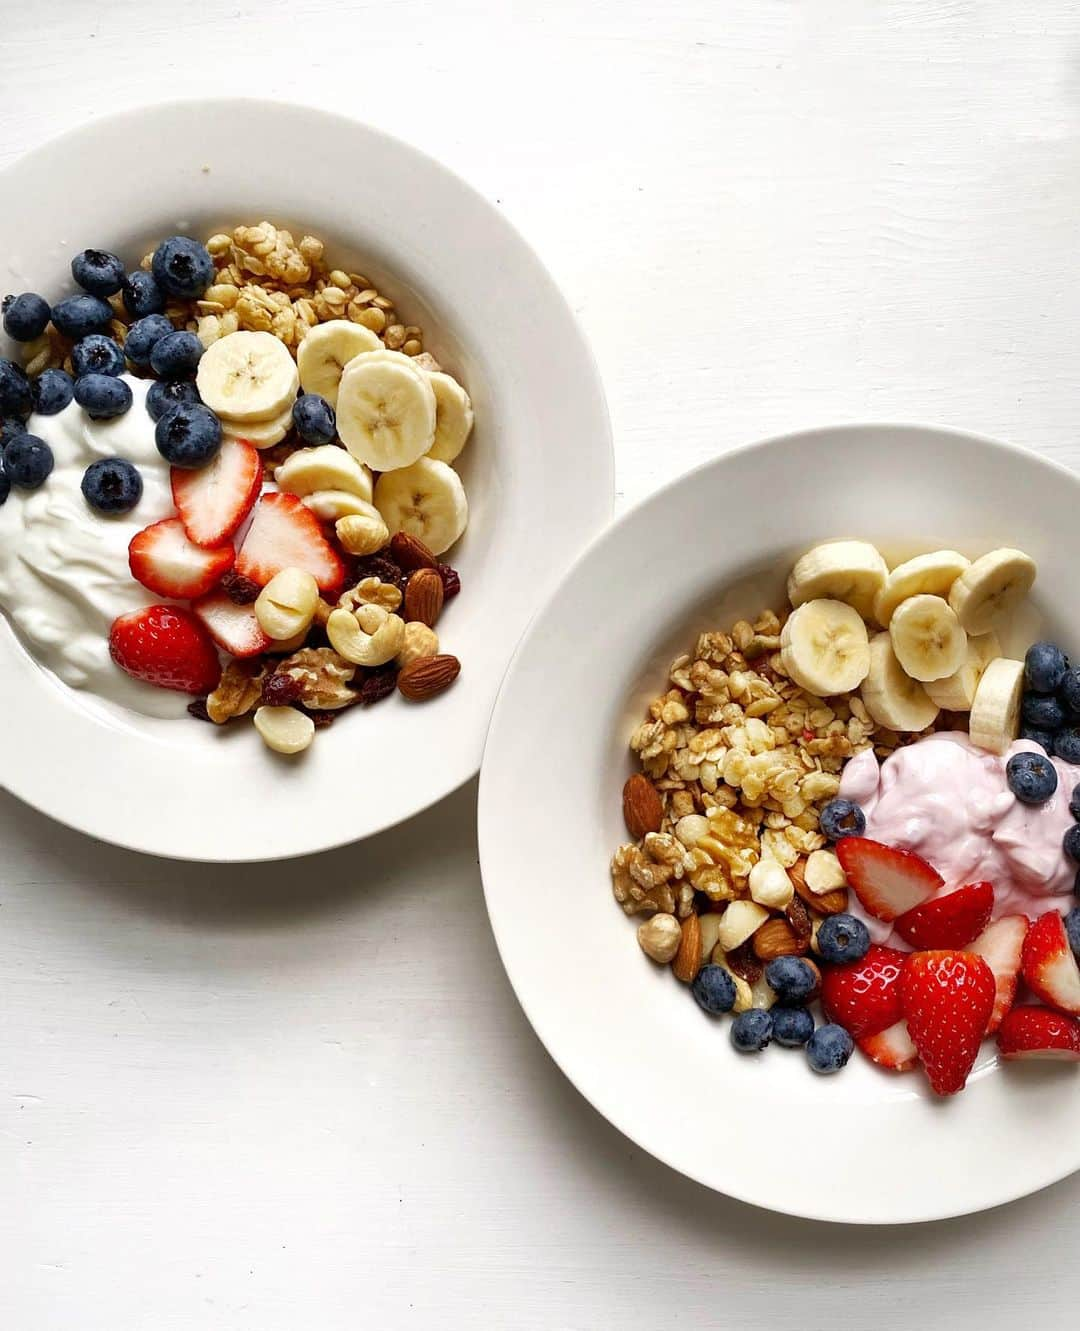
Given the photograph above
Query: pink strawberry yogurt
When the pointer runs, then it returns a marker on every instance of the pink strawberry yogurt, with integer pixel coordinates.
(949, 802)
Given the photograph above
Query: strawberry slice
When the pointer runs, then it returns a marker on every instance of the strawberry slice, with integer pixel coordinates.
(864, 996)
(1048, 964)
(166, 646)
(163, 559)
(233, 627)
(1037, 1032)
(214, 500)
(891, 1048)
(286, 534)
(1000, 946)
(947, 999)
(949, 921)
(888, 882)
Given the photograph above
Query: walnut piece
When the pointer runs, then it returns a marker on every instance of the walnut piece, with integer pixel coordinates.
(323, 676)
(371, 591)
(238, 691)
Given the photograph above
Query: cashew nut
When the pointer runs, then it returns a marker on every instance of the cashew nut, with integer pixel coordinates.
(370, 637)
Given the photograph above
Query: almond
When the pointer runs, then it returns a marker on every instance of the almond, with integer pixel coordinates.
(827, 903)
(424, 597)
(642, 807)
(420, 680)
(687, 961)
(409, 552)
(776, 938)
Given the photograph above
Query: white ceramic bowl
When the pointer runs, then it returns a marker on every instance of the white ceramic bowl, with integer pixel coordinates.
(490, 313)
(863, 1146)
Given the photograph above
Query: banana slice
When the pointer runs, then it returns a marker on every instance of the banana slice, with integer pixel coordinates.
(995, 712)
(824, 649)
(326, 350)
(426, 500)
(261, 434)
(849, 571)
(927, 638)
(992, 587)
(930, 575)
(891, 696)
(386, 410)
(325, 467)
(247, 377)
(453, 418)
(330, 505)
(956, 692)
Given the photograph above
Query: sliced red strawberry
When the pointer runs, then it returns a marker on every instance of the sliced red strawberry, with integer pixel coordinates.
(1000, 946)
(891, 1048)
(888, 882)
(213, 500)
(947, 999)
(162, 558)
(949, 921)
(864, 996)
(286, 534)
(1048, 964)
(165, 645)
(233, 627)
(1037, 1032)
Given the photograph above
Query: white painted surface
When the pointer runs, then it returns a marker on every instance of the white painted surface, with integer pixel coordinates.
(257, 1099)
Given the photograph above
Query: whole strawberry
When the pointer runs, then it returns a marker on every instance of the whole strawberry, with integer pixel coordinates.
(947, 999)
(166, 646)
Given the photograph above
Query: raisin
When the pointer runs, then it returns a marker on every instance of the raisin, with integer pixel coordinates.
(280, 690)
(743, 963)
(239, 590)
(378, 566)
(321, 720)
(451, 580)
(377, 684)
(799, 919)
(197, 709)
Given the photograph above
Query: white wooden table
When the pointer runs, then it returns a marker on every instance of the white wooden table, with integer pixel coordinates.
(303, 1095)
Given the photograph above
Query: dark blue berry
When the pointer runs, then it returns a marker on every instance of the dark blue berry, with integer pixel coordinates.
(714, 989)
(1071, 843)
(102, 396)
(26, 316)
(841, 818)
(163, 396)
(182, 267)
(842, 938)
(79, 316)
(1067, 745)
(15, 399)
(829, 1048)
(1043, 712)
(751, 1031)
(1069, 690)
(792, 1026)
(1076, 884)
(28, 461)
(1072, 929)
(1031, 777)
(1037, 736)
(1044, 667)
(52, 390)
(176, 355)
(9, 429)
(5, 483)
(96, 354)
(112, 485)
(143, 335)
(792, 979)
(188, 436)
(142, 295)
(1074, 803)
(98, 271)
(314, 419)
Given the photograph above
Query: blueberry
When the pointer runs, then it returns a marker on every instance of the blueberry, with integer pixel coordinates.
(842, 938)
(1045, 713)
(792, 1026)
(112, 485)
(142, 295)
(1076, 884)
(5, 484)
(1038, 736)
(9, 429)
(79, 316)
(1067, 745)
(829, 1048)
(1031, 777)
(1074, 803)
(792, 979)
(314, 419)
(188, 436)
(28, 461)
(1044, 666)
(97, 354)
(143, 335)
(752, 1030)
(1072, 929)
(102, 396)
(52, 390)
(26, 316)
(175, 355)
(1069, 691)
(98, 271)
(15, 397)
(841, 818)
(182, 267)
(163, 396)
(714, 989)
(1071, 844)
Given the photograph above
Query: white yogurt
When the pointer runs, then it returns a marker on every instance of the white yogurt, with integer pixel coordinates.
(64, 573)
